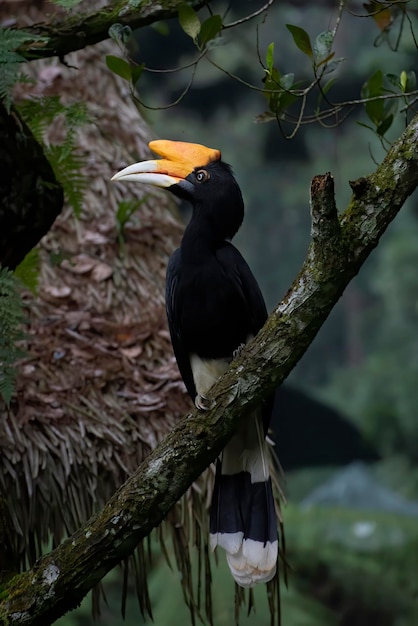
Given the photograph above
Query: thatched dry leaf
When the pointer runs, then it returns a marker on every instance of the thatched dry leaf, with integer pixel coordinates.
(101, 271)
(131, 353)
(57, 292)
(87, 409)
(100, 386)
(80, 264)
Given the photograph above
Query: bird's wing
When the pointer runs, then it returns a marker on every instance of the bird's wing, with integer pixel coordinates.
(253, 312)
(254, 306)
(238, 271)
(171, 297)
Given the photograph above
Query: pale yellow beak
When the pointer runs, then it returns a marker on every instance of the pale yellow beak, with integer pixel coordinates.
(179, 160)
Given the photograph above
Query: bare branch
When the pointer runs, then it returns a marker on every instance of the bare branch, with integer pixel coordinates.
(325, 229)
(247, 18)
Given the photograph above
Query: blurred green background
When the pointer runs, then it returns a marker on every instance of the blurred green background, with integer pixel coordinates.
(352, 536)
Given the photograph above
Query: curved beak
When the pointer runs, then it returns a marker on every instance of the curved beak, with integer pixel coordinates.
(179, 160)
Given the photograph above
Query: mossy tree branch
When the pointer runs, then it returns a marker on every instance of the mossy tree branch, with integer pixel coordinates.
(76, 31)
(340, 245)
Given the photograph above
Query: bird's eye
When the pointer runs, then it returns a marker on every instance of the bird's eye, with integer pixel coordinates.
(202, 176)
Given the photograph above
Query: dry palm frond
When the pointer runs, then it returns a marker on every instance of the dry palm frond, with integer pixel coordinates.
(99, 386)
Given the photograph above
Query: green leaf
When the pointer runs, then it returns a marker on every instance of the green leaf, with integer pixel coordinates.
(189, 21)
(407, 81)
(67, 163)
(10, 41)
(162, 28)
(68, 172)
(136, 71)
(270, 57)
(372, 89)
(365, 125)
(322, 47)
(375, 110)
(119, 66)
(11, 320)
(374, 86)
(301, 39)
(277, 92)
(325, 60)
(28, 270)
(284, 102)
(286, 81)
(126, 209)
(384, 126)
(120, 33)
(210, 28)
(394, 80)
(328, 85)
(272, 88)
(411, 82)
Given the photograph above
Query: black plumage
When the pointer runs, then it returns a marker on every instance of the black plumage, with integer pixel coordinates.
(214, 306)
(213, 300)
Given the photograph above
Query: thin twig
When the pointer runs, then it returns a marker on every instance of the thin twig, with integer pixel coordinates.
(338, 19)
(172, 104)
(177, 69)
(247, 18)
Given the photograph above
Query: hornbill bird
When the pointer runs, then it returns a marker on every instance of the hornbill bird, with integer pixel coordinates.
(214, 306)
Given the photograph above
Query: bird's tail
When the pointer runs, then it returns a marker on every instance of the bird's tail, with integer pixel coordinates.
(243, 518)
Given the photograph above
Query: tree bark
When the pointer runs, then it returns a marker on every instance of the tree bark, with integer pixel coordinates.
(31, 197)
(74, 32)
(340, 245)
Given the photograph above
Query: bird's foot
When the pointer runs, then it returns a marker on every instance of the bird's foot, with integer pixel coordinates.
(203, 403)
(238, 351)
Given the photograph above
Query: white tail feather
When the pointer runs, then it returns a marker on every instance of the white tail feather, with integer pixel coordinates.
(254, 562)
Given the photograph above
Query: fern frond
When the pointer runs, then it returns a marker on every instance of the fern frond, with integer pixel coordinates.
(11, 319)
(126, 208)
(76, 115)
(67, 168)
(67, 164)
(28, 270)
(39, 113)
(10, 41)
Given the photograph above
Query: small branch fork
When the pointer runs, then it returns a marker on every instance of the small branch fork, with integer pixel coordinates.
(60, 579)
(325, 225)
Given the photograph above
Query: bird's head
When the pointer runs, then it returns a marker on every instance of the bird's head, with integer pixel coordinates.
(195, 173)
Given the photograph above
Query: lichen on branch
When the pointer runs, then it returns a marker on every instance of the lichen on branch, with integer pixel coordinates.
(74, 32)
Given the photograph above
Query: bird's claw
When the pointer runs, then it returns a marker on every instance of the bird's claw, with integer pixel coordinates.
(203, 403)
(238, 351)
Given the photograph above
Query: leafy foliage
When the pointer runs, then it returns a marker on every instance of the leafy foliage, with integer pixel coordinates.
(11, 319)
(201, 33)
(380, 107)
(64, 159)
(67, 166)
(126, 209)
(28, 270)
(10, 60)
(125, 70)
(277, 87)
(301, 39)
